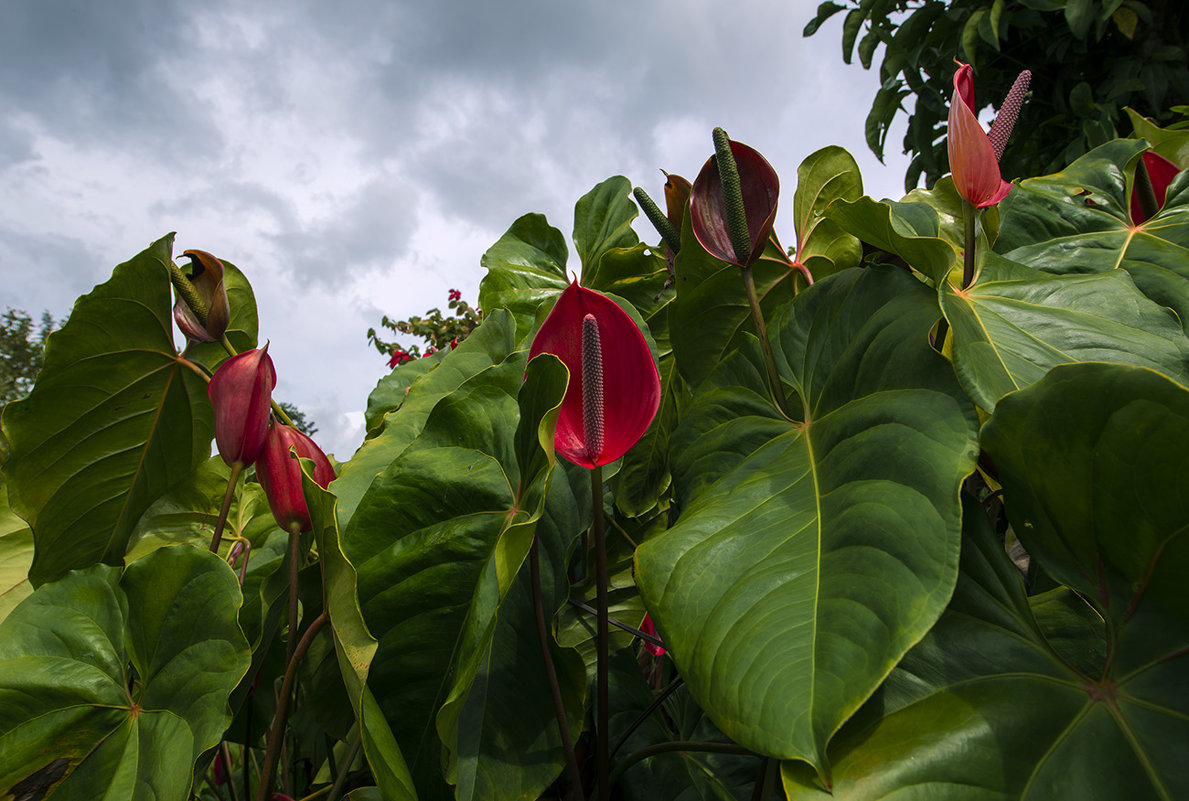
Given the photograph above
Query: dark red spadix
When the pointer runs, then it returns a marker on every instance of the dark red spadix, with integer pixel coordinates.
(600, 344)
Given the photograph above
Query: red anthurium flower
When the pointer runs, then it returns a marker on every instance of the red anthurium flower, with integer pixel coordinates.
(708, 206)
(208, 280)
(280, 474)
(1161, 171)
(648, 628)
(972, 157)
(614, 388)
(241, 394)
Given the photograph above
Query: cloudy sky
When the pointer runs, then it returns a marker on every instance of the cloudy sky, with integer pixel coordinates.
(356, 158)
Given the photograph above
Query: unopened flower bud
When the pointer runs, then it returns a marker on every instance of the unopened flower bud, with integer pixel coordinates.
(279, 473)
(241, 394)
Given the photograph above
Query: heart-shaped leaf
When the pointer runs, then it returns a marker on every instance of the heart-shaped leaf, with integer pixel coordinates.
(994, 703)
(1015, 324)
(792, 585)
(524, 268)
(912, 231)
(1079, 221)
(487, 348)
(114, 421)
(603, 221)
(112, 685)
(824, 176)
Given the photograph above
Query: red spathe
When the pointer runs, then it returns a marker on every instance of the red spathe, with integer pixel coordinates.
(631, 383)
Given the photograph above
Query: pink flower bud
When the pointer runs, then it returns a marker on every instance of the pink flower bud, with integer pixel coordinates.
(972, 156)
(279, 473)
(241, 393)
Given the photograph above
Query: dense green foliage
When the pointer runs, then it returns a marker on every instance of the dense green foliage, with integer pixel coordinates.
(925, 540)
(1092, 58)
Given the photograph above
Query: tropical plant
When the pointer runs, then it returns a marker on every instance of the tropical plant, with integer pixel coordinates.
(906, 520)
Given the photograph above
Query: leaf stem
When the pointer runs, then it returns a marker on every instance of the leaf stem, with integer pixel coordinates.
(232, 482)
(677, 745)
(272, 750)
(602, 751)
(559, 707)
(970, 242)
(340, 781)
(294, 542)
(643, 716)
(225, 755)
(619, 624)
(762, 330)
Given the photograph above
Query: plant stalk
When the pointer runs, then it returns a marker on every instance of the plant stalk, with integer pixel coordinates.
(559, 707)
(602, 740)
(678, 745)
(762, 330)
(275, 734)
(970, 242)
(232, 482)
(294, 543)
(225, 755)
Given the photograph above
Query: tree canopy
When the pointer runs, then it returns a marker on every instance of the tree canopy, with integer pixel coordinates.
(1089, 58)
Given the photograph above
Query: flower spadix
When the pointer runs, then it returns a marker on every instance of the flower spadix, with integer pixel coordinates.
(207, 278)
(709, 211)
(241, 394)
(614, 388)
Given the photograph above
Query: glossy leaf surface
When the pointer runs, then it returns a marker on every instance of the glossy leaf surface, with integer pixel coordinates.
(1015, 324)
(113, 422)
(791, 586)
(825, 176)
(994, 702)
(438, 541)
(70, 702)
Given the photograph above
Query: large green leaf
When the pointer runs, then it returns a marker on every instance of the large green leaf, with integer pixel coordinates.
(1090, 460)
(792, 585)
(912, 231)
(487, 348)
(602, 221)
(1015, 324)
(16, 554)
(114, 421)
(824, 176)
(993, 703)
(524, 268)
(438, 540)
(1078, 221)
(355, 646)
(112, 685)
